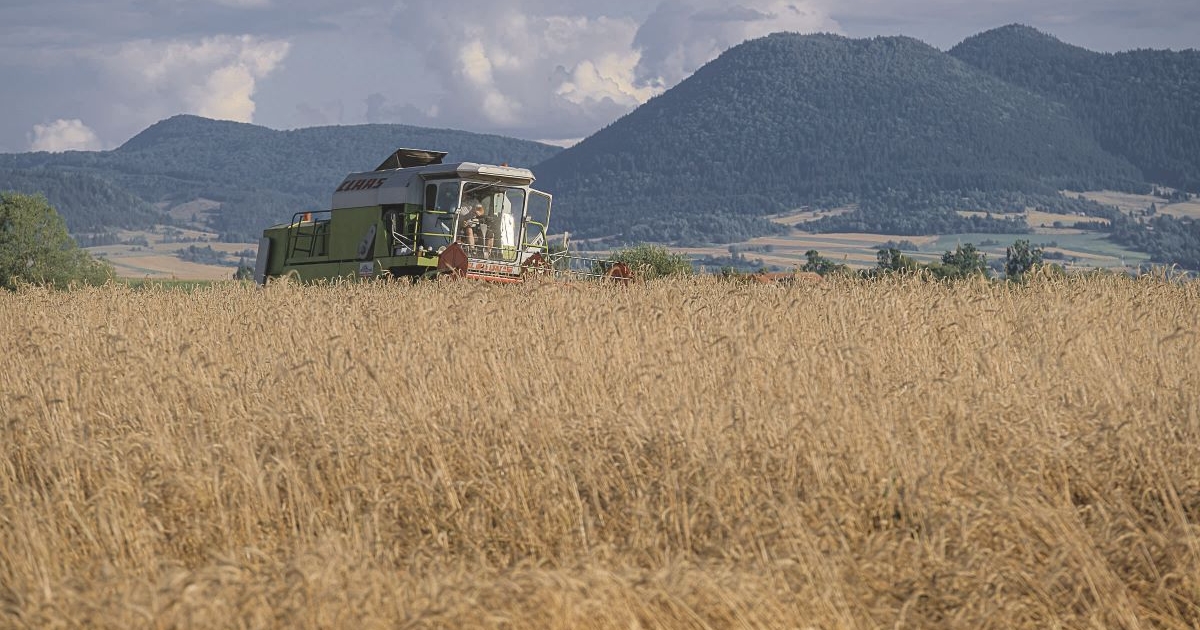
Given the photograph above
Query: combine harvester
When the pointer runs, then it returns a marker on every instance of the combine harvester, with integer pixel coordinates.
(415, 217)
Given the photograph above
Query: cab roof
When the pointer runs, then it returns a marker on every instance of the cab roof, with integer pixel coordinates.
(390, 182)
(407, 158)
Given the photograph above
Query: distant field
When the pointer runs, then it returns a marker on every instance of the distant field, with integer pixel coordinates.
(674, 454)
(1087, 248)
(799, 217)
(1037, 219)
(1138, 203)
(158, 259)
(788, 251)
(1092, 249)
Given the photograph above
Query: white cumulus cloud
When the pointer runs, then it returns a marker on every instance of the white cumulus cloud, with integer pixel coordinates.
(214, 77)
(64, 135)
(679, 37)
(516, 72)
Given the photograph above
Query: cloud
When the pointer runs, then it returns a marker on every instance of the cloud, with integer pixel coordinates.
(680, 37)
(511, 72)
(609, 77)
(565, 143)
(64, 135)
(214, 77)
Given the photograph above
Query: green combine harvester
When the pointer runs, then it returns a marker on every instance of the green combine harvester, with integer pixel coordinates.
(415, 217)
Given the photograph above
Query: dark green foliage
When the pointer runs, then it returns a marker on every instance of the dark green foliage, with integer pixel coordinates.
(260, 176)
(1020, 258)
(203, 255)
(1168, 240)
(903, 245)
(1143, 105)
(91, 204)
(791, 120)
(816, 263)
(915, 221)
(894, 261)
(653, 261)
(36, 248)
(965, 261)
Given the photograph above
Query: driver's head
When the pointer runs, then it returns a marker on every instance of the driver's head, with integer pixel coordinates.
(479, 209)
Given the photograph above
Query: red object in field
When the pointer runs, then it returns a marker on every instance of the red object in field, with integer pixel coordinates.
(453, 261)
(536, 265)
(619, 272)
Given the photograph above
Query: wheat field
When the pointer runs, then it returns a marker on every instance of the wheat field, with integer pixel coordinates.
(683, 454)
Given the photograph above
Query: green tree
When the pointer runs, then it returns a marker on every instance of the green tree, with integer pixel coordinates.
(893, 260)
(36, 248)
(818, 264)
(653, 261)
(963, 262)
(1020, 257)
(245, 271)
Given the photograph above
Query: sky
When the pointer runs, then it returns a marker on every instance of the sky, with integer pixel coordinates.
(90, 74)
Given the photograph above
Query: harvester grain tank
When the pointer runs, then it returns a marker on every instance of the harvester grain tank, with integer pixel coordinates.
(415, 216)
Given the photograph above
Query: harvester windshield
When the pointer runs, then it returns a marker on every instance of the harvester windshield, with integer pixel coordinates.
(488, 218)
(503, 208)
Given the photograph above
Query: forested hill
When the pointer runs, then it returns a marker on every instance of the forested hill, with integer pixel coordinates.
(259, 175)
(790, 120)
(1143, 104)
(94, 204)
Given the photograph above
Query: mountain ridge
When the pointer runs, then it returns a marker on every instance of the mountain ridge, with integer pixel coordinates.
(1142, 104)
(843, 119)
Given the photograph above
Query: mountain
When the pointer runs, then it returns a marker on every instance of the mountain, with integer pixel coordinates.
(1143, 105)
(260, 176)
(791, 120)
(95, 204)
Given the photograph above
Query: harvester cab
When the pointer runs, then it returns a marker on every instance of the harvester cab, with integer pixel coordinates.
(415, 216)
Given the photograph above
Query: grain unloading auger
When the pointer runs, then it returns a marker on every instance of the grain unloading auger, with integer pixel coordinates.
(415, 216)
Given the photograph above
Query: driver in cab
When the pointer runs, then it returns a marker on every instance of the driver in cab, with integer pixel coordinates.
(476, 227)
